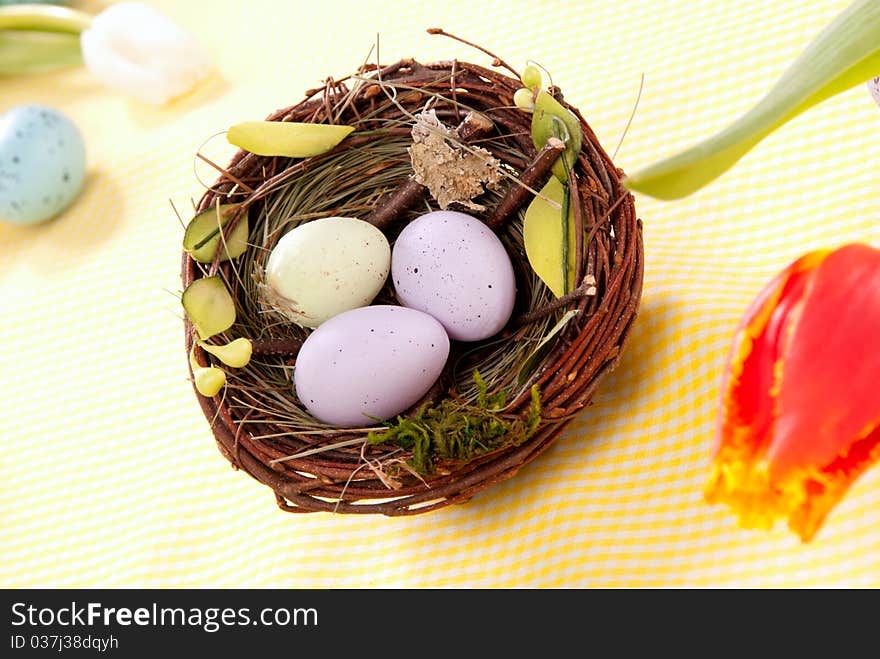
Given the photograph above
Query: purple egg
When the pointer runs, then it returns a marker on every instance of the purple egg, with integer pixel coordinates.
(369, 363)
(453, 267)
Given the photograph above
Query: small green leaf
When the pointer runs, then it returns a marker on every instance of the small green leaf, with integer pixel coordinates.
(846, 53)
(209, 306)
(35, 52)
(525, 371)
(542, 236)
(551, 119)
(286, 138)
(209, 380)
(202, 237)
(235, 353)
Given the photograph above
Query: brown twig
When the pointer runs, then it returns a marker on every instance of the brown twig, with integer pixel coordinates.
(496, 61)
(578, 212)
(533, 177)
(473, 125)
(244, 186)
(392, 205)
(286, 346)
(586, 288)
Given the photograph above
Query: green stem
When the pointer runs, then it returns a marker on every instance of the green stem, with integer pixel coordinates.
(561, 130)
(22, 51)
(844, 54)
(566, 205)
(37, 38)
(44, 18)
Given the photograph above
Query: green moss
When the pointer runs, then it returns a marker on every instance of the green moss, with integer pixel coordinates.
(457, 431)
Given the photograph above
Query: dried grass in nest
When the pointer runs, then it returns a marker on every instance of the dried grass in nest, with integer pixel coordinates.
(478, 430)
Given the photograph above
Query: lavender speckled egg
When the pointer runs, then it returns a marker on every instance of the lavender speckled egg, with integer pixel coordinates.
(453, 267)
(874, 88)
(369, 362)
(42, 164)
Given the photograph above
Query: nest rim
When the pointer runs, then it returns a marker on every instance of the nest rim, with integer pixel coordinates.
(340, 481)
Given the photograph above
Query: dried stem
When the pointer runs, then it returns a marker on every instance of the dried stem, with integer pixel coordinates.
(286, 346)
(225, 173)
(534, 177)
(586, 288)
(578, 212)
(496, 61)
(392, 206)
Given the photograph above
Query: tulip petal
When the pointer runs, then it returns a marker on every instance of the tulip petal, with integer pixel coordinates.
(139, 51)
(800, 407)
(749, 388)
(746, 414)
(829, 401)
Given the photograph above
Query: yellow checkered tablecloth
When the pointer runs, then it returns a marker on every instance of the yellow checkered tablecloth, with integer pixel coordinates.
(108, 471)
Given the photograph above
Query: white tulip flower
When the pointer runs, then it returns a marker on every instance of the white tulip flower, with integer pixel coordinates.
(133, 48)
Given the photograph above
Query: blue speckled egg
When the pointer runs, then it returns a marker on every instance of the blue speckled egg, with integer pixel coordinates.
(42, 164)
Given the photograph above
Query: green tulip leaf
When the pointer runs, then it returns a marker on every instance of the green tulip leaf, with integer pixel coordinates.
(24, 52)
(202, 239)
(542, 236)
(846, 53)
(36, 18)
(209, 306)
(36, 38)
(286, 138)
(551, 119)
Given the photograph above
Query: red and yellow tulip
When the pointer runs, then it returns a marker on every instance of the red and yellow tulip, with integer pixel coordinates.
(800, 407)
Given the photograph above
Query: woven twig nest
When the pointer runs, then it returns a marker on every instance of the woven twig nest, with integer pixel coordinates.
(259, 424)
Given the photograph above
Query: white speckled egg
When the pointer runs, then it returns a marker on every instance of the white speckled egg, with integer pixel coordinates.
(370, 362)
(327, 266)
(453, 267)
(42, 164)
